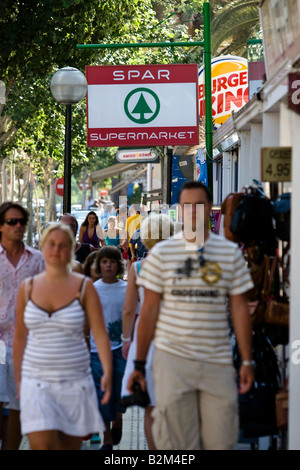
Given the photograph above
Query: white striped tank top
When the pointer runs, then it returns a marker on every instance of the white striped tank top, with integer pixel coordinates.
(56, 349)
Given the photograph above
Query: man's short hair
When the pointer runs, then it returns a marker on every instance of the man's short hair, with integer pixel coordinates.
(195, 185)
(70, 215)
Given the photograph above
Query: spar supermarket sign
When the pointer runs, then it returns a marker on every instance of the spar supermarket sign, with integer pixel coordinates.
(140, 106)
(229, 76)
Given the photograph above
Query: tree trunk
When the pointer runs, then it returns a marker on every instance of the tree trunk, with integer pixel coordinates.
(84, 178)
(31, 222)
(4, 180)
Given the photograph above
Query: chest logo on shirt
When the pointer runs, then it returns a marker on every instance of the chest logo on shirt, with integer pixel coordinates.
(211, 272)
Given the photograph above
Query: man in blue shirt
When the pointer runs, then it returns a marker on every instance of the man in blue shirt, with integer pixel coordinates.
(138, 249)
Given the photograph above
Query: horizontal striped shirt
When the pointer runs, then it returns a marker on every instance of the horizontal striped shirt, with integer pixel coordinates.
(56, 349)
(193, 317)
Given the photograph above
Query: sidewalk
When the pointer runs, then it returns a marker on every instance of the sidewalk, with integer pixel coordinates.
(133, 437)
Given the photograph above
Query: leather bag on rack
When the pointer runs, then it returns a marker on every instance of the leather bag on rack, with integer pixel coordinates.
(258, 307)
(277, 313)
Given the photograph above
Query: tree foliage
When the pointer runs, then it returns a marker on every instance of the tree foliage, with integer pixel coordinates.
(38, 37)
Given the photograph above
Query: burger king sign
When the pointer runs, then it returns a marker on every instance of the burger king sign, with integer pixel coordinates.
(229, 76)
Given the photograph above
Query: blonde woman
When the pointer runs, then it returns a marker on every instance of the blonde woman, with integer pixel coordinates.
(52, 362)
(154, 228)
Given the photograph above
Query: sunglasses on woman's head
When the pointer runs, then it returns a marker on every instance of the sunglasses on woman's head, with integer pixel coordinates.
(14, 221)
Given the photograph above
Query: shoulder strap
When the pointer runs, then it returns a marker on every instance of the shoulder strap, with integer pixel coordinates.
(28, 288)
(81, 291)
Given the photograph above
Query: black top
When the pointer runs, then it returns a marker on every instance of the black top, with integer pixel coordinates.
(83, 252)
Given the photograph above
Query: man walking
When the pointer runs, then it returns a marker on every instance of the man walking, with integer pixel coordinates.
(194, 274)
(17, 261)
(133, 222)
(82, 250)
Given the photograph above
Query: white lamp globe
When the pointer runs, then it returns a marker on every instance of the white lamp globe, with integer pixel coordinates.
(68, 85)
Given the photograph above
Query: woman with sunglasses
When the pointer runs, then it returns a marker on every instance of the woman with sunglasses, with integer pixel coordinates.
(52, 363)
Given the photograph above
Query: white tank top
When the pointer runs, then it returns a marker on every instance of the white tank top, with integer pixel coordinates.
(56, 349)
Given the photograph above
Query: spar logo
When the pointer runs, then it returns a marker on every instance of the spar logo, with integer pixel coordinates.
(229, 75)
(142, 105)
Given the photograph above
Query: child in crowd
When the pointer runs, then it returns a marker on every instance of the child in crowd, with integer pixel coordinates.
(111, 290)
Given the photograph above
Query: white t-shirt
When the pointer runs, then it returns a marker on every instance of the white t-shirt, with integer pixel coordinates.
(193, 318)
(112, 299)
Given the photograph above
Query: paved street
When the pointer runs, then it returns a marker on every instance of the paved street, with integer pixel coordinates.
(133, 437)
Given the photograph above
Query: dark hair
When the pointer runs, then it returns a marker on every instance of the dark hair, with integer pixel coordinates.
(111, 252)
(88, 262)
(5, 206)
(195, 185)
(86, 222)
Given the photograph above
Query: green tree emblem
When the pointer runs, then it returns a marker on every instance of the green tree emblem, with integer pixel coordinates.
(142, 107)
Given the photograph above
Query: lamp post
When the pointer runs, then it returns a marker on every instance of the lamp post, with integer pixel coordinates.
(68, 86)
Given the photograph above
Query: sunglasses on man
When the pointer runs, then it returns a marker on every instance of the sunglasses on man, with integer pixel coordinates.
(14, 221)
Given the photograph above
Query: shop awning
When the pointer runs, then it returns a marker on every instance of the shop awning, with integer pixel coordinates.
(112, 170)
(126, 181)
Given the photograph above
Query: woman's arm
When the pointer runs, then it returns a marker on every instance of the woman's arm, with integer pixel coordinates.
(21, 332)
(95, 318)
(81, 233)
(129, 310)
(121, 240)
(145, 333)
(101, 235)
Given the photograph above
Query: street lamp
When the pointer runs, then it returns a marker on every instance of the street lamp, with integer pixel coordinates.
(68, 86)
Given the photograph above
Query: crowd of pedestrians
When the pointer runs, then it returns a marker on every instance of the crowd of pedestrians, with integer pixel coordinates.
(79, 340)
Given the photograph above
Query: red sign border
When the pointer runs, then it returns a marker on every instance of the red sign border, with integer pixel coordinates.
(59, 192)
(185, 72)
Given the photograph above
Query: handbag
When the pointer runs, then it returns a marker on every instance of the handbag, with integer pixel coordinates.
(277, 313)
(268, 309)
(257, 411)
(258, 307)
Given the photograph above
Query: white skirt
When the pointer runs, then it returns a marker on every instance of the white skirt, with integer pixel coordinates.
(130, 366)
(69, 406)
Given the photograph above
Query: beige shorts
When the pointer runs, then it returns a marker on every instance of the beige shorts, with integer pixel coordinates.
(196, 404)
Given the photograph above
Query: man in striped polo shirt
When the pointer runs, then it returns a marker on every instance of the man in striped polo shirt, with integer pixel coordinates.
(189, 280)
